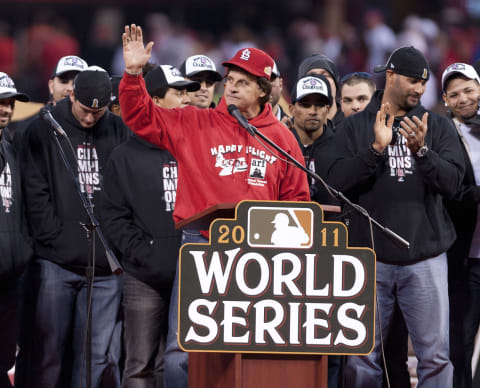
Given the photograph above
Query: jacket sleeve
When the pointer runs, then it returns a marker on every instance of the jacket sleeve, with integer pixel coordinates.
(443, 166)
(163, 127)
(44, 224)
(117, 216)
(354, 162)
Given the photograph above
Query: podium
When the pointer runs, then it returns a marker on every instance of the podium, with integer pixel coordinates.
(251, 370)
(244, 370)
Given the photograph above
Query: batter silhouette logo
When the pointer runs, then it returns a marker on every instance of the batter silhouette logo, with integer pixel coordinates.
(277, 278)
(280, 227)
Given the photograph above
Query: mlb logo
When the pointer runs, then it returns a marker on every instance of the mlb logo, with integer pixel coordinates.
(280, 227)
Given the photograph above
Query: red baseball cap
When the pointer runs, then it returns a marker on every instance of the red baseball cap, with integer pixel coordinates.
(253, 61)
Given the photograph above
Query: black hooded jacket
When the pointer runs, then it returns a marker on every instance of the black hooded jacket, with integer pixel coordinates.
(54, 209)
(401, 191)
(15, 249)
(140, 183)
(318, 157)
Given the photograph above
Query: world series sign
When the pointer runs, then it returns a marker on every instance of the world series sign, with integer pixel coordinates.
(277, 279)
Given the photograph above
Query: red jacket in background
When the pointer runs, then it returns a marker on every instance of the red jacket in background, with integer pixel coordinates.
(218, 161)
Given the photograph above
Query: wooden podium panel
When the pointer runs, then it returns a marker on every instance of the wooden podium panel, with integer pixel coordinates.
(243, 370)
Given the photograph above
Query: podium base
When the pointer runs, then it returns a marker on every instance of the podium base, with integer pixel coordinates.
(237, 370)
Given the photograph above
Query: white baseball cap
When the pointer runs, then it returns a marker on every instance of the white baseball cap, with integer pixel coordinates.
(197, 64)
(312, 84)
(69, 63)
(8, 89)
(459, 68)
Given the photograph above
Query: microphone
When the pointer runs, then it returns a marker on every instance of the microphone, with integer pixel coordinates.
(235, 112)
(47, 116)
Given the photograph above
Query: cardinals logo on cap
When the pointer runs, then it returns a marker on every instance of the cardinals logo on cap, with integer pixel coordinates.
(268, 71)
(245, 55)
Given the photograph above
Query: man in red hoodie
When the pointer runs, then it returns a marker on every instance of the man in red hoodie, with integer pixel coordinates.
(218, 160)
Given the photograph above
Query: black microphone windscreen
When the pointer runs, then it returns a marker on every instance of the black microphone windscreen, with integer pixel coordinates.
(232, 108)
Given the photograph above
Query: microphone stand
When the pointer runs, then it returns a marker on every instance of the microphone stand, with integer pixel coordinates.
(92, 227)
(337, 194)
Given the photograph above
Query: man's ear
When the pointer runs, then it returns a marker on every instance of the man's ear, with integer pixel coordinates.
(291, 109)
(50, 86)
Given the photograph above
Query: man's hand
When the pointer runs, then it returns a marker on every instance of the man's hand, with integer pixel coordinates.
(414, 131)
(383, 132)
(135, 54)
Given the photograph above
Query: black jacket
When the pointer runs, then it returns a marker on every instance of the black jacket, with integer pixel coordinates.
(54, 209)
(318, 157)
(15, 249)
(140, 183)
(463, 209)
(399, 190)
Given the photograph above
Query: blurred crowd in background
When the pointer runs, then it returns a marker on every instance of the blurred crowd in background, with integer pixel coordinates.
(355, 34)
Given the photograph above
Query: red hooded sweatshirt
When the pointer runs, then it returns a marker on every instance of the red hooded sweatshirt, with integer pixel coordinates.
(218, 161)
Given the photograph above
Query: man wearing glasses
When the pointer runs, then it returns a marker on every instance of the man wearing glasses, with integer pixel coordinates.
(356, 90)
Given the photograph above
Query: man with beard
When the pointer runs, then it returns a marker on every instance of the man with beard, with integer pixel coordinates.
(56, 280)
(399, 162)
(15, 252)
(461, 93)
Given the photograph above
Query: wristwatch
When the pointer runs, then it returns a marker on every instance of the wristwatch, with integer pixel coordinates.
(422, 151)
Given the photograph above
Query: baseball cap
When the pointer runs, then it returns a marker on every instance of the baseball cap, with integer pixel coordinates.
(275, 71)
(459, 68)
(166, 75)
(319, 61)
(407, 61)
(312, 84)
(253, 61)
(69, 63)
(92, 87)
(8, 90)
(200, 63)
(115, 81)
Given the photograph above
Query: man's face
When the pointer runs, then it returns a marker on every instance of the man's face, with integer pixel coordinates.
(310, 113)
(407, 91)
(87, 117)
(174, 98)
(328, 76)
(242, 90)
(277, 87)
(62, 86)
(7, 106)
(203, 97)
(355, 98)
(462, 98)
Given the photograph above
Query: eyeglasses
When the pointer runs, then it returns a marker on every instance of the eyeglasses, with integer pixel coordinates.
(357, 74)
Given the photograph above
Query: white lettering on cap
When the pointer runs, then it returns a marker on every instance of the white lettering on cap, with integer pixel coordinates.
(311, 85)
(245, 55)
(172, 74)
(6, 84)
